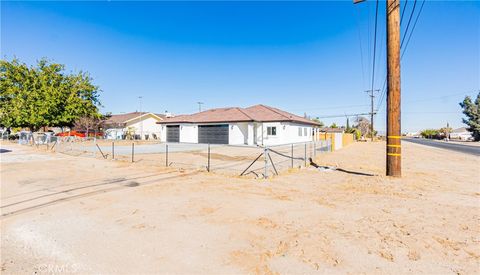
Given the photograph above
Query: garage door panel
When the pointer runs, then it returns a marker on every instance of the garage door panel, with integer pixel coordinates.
(173, 133)
(213, 134)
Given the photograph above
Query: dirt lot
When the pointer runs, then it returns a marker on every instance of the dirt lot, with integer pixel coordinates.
(71, 214)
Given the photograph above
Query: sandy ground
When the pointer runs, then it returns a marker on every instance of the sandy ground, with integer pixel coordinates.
(65, 214)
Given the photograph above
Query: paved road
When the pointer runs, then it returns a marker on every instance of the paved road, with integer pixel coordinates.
(467, 149)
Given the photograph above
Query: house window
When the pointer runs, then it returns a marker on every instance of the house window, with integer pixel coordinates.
(271, 131)
(299, 131)
(305, 131)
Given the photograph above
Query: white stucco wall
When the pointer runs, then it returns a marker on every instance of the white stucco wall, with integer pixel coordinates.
(259, 134)
(338, 141)
(250, 134)
(163, 133)
(286, 133)
(238, 133)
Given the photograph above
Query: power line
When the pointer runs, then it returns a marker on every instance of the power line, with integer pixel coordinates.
(408, 24)
(413, 28)
(374, 45)
(404, 8)
(430, 99)
(328, 108)
(369, 41)
(382, 48)
(361, 48)
(344, 115)
(382, 95)
(435, 112)
(428, 112)
(406, 45)
(434, 98)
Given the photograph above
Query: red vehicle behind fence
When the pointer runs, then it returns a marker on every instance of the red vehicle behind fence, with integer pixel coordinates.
(79, 134)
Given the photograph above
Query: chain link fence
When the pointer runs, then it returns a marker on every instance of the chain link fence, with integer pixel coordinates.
(239, 160)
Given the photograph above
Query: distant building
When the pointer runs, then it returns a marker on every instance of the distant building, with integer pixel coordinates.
(136, 125)
(461, 134)
(413, 134)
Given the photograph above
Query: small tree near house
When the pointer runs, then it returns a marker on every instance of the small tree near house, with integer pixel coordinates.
(472, 111)
(317, 120)
(445, 131)
(363, 125)
(89, 124)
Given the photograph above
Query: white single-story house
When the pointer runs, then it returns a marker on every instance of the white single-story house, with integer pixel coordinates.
(255, 125)
(461, 134)
(136, 125)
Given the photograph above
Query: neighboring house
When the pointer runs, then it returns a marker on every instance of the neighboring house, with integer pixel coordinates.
(461, 134)
(134, 125)
(336, 135)
(413, 134)
(255, 125)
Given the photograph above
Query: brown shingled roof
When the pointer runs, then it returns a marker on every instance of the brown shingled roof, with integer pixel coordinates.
(259, 113)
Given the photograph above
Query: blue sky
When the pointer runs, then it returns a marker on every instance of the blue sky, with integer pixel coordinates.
(297, 56)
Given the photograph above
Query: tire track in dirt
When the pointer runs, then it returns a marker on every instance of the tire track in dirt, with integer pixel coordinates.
(128, 183)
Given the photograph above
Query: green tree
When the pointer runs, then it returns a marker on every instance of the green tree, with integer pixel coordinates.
(430, 133)
(317, 120)
(44, 95)
(472, 111)
(334, 125)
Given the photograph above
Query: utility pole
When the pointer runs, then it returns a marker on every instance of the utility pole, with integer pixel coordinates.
(447, 132)
(394, 152)
(141, 118)
(199, 106)
(372, 96)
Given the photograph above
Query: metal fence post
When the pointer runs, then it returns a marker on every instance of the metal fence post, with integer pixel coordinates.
(113, 149)
(133, 151)
(265, 152)
(291, 157)
(166, 155)
(208, 165)
(305, 155)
